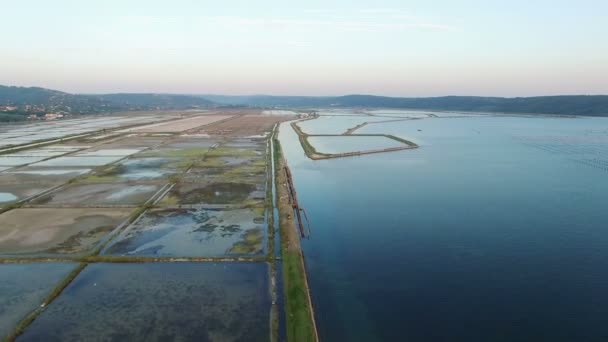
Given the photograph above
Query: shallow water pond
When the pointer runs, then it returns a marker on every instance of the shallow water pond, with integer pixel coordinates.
(352, 143)
(79, 161)
(50, 171)
(23, 287)
(118, 152)
(56, 230)
(101, 194)
(22, 190)
(193, 232)
(212, 193)
(38, 153)
(7, 197)
(16, 161)
(177, 301)
(334, 124)
(143, 168)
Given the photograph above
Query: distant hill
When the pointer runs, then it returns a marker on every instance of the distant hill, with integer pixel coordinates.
(16, 103)
(164, 101)
(52, 100)
(596, 105)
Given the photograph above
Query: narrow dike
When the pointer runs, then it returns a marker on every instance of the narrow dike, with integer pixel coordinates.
(301, 325)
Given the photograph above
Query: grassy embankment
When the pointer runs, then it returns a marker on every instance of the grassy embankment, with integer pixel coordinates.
(298, 305)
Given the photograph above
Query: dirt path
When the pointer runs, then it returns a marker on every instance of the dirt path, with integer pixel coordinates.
(301, 325)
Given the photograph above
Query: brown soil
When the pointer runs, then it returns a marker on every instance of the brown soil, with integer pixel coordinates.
(289, 232)
(244, 125)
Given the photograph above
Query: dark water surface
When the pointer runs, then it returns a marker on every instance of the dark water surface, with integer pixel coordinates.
(495, 229)
(178, 301)
(23, 288)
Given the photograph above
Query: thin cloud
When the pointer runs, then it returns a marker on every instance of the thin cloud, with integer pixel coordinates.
(363, 25)
(433, 27)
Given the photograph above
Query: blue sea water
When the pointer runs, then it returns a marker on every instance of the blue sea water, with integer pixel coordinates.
(495, 229)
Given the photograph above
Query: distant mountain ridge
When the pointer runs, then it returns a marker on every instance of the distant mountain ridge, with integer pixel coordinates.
(16, 101)
(589, 105)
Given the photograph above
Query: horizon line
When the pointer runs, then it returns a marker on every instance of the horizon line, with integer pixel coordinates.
(311, 96)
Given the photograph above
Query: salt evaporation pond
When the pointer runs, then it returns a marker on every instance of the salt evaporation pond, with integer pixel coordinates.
(494, 229)
(23, 287)
(16, 161)
(7, 197)
(177, 301)
(108, 152)
(146, 168)
(335, 124)
(194, 232)
(51, 172)
(100, 194)
(79, 161)
(352, 143)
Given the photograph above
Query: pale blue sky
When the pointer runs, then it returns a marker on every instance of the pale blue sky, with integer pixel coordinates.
(401, 48)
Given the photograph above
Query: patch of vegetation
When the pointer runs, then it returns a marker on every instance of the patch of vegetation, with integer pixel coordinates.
(299, 325)
(182, 164)
(169, 200)
(193, 152)
(259, 163)
(214, 193)
(231, 152)
(210, 162)
(259, 211)
(243, 171)
(106, 174)
(252, 203)
(12, 117)
(73, 244)
(250, 244)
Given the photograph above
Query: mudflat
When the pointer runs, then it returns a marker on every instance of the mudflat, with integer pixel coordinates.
(56, 230)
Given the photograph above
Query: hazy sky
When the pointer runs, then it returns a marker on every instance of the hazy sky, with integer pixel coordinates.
(401, 48)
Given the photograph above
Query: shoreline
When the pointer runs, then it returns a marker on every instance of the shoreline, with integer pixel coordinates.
(301, 324)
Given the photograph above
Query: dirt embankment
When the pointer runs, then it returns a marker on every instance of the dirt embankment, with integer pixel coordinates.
(244, 125)
(301, 324)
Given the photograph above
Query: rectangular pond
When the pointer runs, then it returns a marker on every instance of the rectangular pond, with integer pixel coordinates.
(214, 193)
(336, 124)
(23, 287)
(115, 152)
(178, 301)
(79, 161)
(193, 232)
(34, 231)
(11, 193)
(100, 194)
(8, 160)
(352, 143)
(135, 169)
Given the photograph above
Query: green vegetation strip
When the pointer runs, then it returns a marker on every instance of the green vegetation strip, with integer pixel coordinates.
(274, 314)
(299, 324)
(298, 305)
